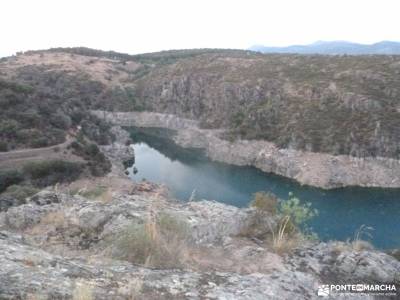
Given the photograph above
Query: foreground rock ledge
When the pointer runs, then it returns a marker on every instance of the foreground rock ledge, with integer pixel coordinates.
(309, 168)
(57, 262)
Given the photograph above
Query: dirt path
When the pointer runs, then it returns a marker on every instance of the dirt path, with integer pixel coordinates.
(14, 159)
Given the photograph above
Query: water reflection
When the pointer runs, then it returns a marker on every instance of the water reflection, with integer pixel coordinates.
(341, 211)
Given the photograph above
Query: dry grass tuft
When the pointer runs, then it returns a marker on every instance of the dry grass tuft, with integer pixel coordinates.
(132, 289)
(357, 243)
(361, 245)
(83, 291)
(98, 192)
(162, 241)
(285, 238)
(54, 219)
(265, 202)
(36, 296)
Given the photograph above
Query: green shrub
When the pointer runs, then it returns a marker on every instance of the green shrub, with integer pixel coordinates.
(39, 142)
(8, 178)
(8, 128)
(17, 87)
(97, 162)
(60, 120)
(3, 146)
(92, 149)
(27, 136)
(50, 172)
(25, 89)
(298, 213)
(266, 206)
(286, 228)
(76, 146)
(20, 192)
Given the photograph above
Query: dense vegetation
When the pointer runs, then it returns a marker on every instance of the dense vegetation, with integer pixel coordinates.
(39, 107)
(41, 173)
(50, 172)
(334, 104)
(97, 163)
(8, 178)
(159, 58)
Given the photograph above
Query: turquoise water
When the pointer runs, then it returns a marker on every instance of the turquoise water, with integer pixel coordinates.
(341, 211)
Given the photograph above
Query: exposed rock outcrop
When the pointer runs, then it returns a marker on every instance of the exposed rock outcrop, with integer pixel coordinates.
(315, 169)
(32, 265)
(119, 152)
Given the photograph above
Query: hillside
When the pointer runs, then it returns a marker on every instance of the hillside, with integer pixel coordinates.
(335, 47)
(73, 225)
(331, 104)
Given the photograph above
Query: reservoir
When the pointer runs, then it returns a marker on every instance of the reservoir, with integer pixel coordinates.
(341, 212)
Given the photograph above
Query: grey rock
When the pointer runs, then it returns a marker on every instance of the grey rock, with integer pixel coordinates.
(45, 198)
(340, 263)
(311, 168)
(121, 154)
(7, 201)
(28, 272)
(30, 264)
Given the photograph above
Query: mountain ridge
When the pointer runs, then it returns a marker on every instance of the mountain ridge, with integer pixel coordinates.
(334, 48)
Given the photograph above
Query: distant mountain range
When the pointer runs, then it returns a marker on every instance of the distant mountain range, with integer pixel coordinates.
(334, 47)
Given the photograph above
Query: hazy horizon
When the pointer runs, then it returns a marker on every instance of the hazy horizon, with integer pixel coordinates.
(247, 48)
(150, 26)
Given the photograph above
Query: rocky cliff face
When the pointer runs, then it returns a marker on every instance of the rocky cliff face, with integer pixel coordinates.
(337, 105)
(341, 105)
(315, 169)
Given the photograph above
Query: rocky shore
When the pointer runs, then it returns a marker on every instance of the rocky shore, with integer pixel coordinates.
(314, 169)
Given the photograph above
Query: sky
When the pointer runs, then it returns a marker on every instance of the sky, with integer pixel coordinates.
(152, 25)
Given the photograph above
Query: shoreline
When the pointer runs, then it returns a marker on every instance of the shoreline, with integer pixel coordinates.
(320, 170)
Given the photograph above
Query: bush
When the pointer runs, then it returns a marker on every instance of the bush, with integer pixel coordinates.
(27, 136)
(283, 221)
(157, 243)
(97, 130)
(292, 230)
(298, 213)
(97, 162)
(8, 178)
(99, 165)
(3, 147)
(39, 142)
(20, 192)
(60, 120)
(92, 150)
(8, 128)
(266, 202)
(43, 173)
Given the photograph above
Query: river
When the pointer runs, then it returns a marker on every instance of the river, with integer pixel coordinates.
(341, 211)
